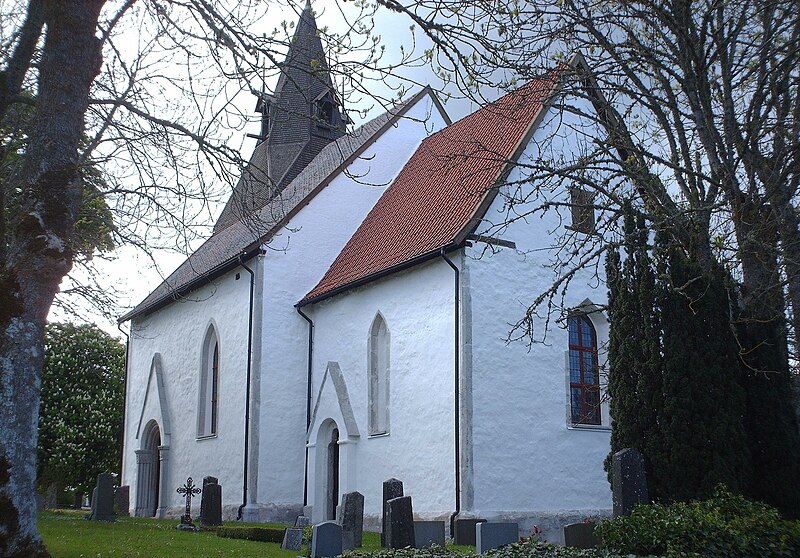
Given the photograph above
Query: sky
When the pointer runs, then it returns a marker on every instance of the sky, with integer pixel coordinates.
(134, 274)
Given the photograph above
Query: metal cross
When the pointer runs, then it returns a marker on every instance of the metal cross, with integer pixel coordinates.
(188, 489)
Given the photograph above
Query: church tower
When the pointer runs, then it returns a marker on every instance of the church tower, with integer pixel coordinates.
(302, 116)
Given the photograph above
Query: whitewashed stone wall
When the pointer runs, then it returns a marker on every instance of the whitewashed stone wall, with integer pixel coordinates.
(177, 333)
(295, 260)
(418, 308)
(525, 462)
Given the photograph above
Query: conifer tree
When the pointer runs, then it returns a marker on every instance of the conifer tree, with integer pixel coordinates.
(702, 421)
(634, 367)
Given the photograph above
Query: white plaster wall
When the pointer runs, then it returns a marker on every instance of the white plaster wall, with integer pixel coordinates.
(527, 458)
(177, 332)
(296, 260)
(419, 449)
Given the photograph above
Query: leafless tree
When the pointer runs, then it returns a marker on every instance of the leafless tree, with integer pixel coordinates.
(144, 90)
(699, 106)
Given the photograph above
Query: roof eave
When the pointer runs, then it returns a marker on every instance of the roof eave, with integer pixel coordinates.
(202, 280)
(416, 260)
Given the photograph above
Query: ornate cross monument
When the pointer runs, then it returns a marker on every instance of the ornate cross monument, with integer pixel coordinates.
(188, 490)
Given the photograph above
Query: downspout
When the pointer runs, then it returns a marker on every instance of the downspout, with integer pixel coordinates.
(308, 397)
(124, 399)
(247, 387)
(456, 356)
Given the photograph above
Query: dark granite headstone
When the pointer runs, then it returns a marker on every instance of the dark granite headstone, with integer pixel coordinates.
(465, 531)
(494, 535)
(400, 524)
(352, 520)
(302, 521)
(292, 538)
(103, 498)
(580, 535)
(428, 533)
(206, 480)
(326, 540)
(628, 482)
(77, 503)
(123, 500)
(392, 488)
(211, 504)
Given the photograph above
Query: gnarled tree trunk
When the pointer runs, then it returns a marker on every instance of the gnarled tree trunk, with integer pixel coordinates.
(38, 254)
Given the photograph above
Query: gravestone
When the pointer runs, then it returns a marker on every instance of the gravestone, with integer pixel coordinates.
(206, 480)
(465, 530)
(39, 502)
(392, 488)
(187, 491)
(51, 497)
(326, 540)
(494, 535)
(92, 503)
(580, 535)
(292, 538)
(400, 523)
(302, 521)
(123, 500)
(428, 533)
(211, 504)
(352, 520)
(103, 498)
(77, 503)
(628, 481)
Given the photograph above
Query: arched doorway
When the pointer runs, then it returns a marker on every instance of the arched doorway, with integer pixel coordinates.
(332, 495)
(148, 475)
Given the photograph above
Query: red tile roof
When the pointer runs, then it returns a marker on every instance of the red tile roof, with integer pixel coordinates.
(432, 202)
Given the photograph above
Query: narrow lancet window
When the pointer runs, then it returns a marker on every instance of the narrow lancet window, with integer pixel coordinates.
(379, 377)
(208, 406)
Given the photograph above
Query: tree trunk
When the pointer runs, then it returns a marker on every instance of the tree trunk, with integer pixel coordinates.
(773, 433)
(790, 244)
(39, 255)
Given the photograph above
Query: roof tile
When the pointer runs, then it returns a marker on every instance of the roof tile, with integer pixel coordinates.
(439, 190)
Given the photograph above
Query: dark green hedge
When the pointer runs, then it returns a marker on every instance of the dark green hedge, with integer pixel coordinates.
(725, 526)
(261, 534)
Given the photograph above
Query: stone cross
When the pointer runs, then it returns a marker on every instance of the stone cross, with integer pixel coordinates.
(188, 490)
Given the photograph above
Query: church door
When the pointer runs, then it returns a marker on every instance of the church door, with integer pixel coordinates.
(148, 473)
(333, 475)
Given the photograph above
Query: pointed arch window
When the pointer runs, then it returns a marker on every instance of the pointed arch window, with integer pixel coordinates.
(584, 381)
(379, 377)
(208, 406)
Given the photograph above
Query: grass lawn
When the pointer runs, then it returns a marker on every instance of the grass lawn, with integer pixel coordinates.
(68, 535)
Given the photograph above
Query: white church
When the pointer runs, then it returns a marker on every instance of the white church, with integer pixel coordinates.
(346, 323)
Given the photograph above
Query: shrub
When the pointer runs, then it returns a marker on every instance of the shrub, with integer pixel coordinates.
(517, 550)
(260, 534)
(724, 526)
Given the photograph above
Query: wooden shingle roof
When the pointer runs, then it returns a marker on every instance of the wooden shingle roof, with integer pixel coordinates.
(241, 240)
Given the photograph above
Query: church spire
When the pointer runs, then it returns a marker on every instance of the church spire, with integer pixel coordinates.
(302, 116)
